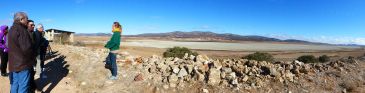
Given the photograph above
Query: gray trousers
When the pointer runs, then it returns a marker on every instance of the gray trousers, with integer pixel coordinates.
(39, 66)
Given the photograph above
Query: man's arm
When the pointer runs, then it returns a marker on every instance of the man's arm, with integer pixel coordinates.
(25, 42)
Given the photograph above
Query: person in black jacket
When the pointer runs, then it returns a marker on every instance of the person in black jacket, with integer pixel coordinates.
(41, 45)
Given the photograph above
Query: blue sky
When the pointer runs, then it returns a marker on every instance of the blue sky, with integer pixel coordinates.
(329, 21)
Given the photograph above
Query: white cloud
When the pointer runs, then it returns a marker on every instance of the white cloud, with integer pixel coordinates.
(360, 41)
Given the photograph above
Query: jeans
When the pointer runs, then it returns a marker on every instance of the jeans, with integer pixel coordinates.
(20, 81)
(111, 61)
(4, 61)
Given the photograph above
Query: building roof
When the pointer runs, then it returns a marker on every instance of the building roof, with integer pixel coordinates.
(59, 31)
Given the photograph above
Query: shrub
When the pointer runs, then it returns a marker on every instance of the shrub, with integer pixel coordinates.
(323, 58)
(260, 56)
(178, 52)
(307, 59)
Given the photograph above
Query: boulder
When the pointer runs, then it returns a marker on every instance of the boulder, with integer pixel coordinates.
(214, 77)
(186, 56)
(255, 70)
(262, 63)
(223, 75)
(199, 58)
(245, 78)
(247, 69)
(175, 69)
(252, 63)
(274, 72)
(182, 73)
(217, 64)
(199, 76)
(189, 68)
(289, 66)
(239, 69)
(226, 70)
(296, 62)
(295, 70)
(202, 58)
(173, 79)
(231, 76)
(234, 82)
(289, 76)
(202, 68)
(161, 67)
(176, 59)
(305, 68)
(192, 57)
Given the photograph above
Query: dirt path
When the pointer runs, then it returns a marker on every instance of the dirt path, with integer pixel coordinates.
(58, 81)
(88, 75)
(73, 69)
(5, 85)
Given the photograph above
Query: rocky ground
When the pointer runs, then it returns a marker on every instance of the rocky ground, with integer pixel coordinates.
(74, 69)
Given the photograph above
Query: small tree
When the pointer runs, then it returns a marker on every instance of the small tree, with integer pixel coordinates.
(260, 56)
(178, 52)
(324, 58)
(307, 59)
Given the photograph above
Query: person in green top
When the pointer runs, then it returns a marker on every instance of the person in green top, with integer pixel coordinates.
(113, 45)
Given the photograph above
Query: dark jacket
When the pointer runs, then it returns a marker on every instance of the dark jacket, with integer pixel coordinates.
(40, 43)
(21, 48)
(114, 42)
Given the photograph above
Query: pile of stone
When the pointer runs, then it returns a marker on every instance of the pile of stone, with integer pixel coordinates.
(227, 72)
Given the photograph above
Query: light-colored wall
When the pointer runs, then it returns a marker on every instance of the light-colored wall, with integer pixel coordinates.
(71, 39)
(49, 35)
(60, 37)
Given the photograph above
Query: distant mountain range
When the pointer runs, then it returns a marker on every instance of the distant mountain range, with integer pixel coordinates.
(350, 45)
(93, 34)
(204, 35)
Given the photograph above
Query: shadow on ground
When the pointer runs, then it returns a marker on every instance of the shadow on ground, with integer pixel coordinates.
(56, 70)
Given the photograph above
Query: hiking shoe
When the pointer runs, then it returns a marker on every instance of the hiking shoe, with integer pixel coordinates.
(4, 74)
(113, 77)
(107, 66)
